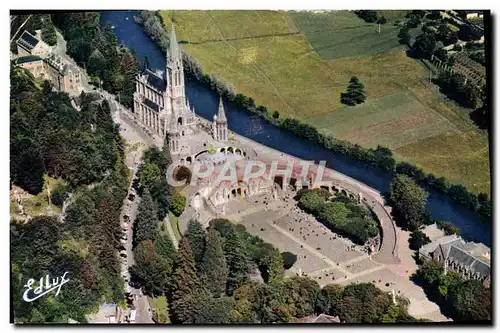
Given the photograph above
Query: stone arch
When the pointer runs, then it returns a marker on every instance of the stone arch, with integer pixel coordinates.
(230, 150)
(237, 151)
(222, 150)
(233, 192)
(279, 180)
(189, 159)
(179, 121)
(197, 202)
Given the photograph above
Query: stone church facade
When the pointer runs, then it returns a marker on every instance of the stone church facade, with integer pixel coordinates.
(160, 101)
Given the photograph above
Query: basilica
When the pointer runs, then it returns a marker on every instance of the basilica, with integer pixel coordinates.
(160, 101)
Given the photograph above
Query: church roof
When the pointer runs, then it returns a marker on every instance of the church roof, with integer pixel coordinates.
(152, 105)
(28, 41)
(154, 80)
(221, 114)
(174, 50)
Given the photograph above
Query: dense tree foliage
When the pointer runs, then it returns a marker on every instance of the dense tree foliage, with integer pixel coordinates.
(457, 87)
(85, 244)
(152, 175)
(184, 281)
(418, 239)
(196, 237)
(424, 45)
(213, 267)
(340, 214)
(369, 16)
(151, 270)
(462, 300)
(408, 201)
(146, 222)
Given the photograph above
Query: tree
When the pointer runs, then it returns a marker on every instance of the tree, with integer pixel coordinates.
(301, 294)
(288, 259)
(404, 35)
(149, 174)
(49, 34)
(335, 213)
(448, 228)
(146, 221)
(408, 200)
(369, 16)
(328, 298)
(382, 20)
(26, 167)
(355, 93)
(429, 272)
(151, 271)
(184, 281)
(58, 194)
(424, 45)
(213, 267)
(418, 239)
(313, 200)
(165, 248)
(183, 173)
(276, 114)
(214, 310)
(237, 261)
(471, 301)
(196, 237)
(178, 204)
(275, 268)
(362, 303)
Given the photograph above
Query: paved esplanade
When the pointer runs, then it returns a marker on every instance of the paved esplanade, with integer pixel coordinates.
(388, 250)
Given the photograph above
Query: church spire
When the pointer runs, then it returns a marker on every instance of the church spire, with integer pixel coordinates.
(174, 46)
(221, 114)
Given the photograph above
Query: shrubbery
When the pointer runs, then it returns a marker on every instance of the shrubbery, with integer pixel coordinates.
(340, 214)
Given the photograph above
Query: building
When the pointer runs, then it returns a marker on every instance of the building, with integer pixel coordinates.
(109, 313)
(28, 45)
(321, 319)
(63, 76)
(470, 14)
(470, 259)
(220, 124)
(160, 98)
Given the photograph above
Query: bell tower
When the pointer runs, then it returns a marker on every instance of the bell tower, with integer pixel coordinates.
(220, 131)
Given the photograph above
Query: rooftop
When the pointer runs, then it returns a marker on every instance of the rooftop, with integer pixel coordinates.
(152, 105)
(154, 80)
(28, 41)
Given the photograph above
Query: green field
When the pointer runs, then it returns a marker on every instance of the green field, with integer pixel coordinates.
(260, 54)
(326, 31)
(392, 121)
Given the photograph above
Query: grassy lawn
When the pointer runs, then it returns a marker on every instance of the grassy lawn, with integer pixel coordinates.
(326, 31)
(174, 222)
(160, 309)
(392, 121)
(35, 205)
(302, 76)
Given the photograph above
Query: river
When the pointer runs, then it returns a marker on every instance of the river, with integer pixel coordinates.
(205, 101)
